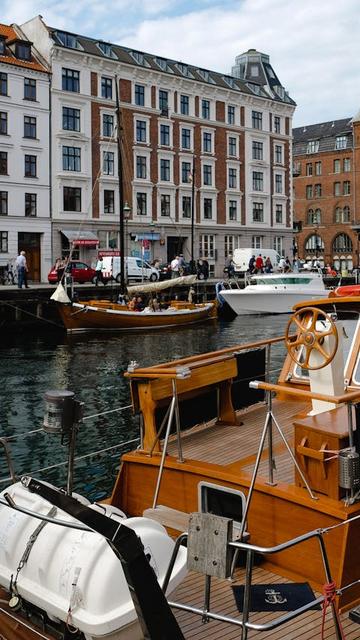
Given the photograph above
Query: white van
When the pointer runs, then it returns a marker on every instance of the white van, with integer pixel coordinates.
(242, 257)
(136, 269)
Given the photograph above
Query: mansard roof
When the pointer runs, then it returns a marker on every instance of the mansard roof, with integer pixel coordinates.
(9, 36)
(325, 133)
(162, 64)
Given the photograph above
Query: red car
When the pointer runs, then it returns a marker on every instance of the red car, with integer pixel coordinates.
(80, 272)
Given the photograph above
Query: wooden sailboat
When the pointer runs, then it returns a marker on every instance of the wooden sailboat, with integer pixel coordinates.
(102, 314)
(285, 473)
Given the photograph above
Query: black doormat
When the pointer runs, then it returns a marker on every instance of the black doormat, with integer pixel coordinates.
(276, 597)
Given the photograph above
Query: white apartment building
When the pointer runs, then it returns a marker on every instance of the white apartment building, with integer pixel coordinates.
(236, 131)
(25, 222)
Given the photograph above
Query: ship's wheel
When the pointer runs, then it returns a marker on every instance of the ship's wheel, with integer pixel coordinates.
(309, 339)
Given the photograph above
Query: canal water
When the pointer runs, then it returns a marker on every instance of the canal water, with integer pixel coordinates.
(92, 366)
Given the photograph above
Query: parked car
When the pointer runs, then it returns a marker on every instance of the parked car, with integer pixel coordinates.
(80, 271)
(136, 269)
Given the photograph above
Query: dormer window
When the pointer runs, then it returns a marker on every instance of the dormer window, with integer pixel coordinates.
(205, 75)
(23, 50)
(2, 46)
(161, 63)
(341, 142)
(230, 81)
(254, 70)
(184, 69)
(68, 40)
(106, 49)
(138, 57)
(312, 146)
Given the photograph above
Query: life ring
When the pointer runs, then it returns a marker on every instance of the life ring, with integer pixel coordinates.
(347, 290)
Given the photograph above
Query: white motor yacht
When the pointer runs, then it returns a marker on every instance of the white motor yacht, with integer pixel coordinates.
(274, 292)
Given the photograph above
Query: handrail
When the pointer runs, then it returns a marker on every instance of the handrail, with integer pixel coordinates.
(161, 371)
(353, 396)
(211, 354)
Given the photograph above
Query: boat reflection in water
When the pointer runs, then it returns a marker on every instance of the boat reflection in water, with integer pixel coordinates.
(277, 469)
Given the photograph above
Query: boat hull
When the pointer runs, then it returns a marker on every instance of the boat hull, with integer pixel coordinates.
(251, 303)
(96, 315)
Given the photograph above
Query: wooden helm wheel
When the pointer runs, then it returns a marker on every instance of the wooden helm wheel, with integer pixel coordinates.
(308, 337)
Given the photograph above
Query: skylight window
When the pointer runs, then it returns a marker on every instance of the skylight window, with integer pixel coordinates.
(106, 49)
(68, 40)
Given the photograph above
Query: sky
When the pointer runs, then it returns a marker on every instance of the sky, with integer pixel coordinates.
(314, 45)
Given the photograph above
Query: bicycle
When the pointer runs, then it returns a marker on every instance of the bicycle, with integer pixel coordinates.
(8, 275)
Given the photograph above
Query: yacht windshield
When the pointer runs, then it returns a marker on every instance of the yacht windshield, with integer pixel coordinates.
(281, 280)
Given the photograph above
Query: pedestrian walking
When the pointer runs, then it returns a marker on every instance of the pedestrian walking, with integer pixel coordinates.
(22, 268)
(98, 271)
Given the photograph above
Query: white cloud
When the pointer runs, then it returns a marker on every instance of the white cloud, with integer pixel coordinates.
(313, 46)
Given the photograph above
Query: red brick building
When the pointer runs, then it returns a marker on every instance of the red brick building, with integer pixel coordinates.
(326, 161)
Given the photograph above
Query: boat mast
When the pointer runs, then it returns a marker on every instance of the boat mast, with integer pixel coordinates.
(192, 263)
(121, 188)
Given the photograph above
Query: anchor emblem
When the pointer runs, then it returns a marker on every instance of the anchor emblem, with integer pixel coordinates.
(274, 597)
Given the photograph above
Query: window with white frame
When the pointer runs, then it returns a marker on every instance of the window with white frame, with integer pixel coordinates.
(258, 181)
(258, 212)
(278, 154)
(232, 178)
(165, 135)
(278, 245)
(108, 125)
(185, 138)
(108, 163)
(337, 188)
(141, 167)
(318, 168)
(207, 208)
(106, 88)
(257, 119)
(186, 207)
(277, 124)
(205, 109)
(278, 183)
(207, 246)
(256, 242)
(184, 105)
(185, 172)
(231, 114)
(165, 170)
(163, 100)
(109, 201)
(346, 188)
(140, 95)
(207, 174)
(309, 169)
(230, 244)
(257, 150)
(207, 142)
(232, 146)
(341, 142)
(347, 164)
(232, 210)
(165, 205)
(141, 131)
(141, 201)
(312, 146)
(279, 214)
(337, 166)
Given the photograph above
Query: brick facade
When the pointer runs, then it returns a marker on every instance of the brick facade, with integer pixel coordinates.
(326, 189)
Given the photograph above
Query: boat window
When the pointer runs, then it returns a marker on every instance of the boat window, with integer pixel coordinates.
(276, 281)
(348, 333)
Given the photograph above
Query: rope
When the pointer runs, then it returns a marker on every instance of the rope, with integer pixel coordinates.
(13, 306)
(329, 593)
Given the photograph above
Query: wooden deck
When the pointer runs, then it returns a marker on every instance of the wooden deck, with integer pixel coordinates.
(237, 445)
(305, 627)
